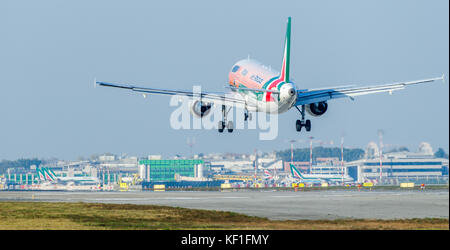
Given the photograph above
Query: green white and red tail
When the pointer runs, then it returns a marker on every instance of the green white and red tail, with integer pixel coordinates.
(295, 172)
(46, 174)
(284, 75)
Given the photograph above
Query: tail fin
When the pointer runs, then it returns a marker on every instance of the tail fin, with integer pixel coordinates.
(41, 175)
(52, 174)
(295, 172)
(284, 76)
(48, 175)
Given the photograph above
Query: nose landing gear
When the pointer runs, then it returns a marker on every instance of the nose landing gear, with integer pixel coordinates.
(247, 115)
(224, 124)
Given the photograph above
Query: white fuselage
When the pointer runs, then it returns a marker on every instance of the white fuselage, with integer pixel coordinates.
(251, 74)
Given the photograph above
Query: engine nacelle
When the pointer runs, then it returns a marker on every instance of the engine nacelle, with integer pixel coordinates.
(200, 109)
(317, 109)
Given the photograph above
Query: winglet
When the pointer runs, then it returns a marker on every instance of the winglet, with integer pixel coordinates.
(443, 78)
(95, 82)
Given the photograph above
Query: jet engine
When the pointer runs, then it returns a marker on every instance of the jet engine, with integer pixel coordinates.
(317, 109)
(200, 109)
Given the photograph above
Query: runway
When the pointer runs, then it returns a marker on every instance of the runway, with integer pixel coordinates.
(276, 205)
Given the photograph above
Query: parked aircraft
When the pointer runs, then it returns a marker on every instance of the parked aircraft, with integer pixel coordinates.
(319, 178)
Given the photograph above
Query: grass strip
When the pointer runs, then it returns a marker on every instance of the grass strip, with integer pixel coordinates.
(99, 216)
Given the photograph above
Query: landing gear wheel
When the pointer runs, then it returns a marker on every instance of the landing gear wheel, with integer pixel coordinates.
(221, 126)
(230, 126)
(302, 123)
(247, 116)
(308, 125)
(298, 125)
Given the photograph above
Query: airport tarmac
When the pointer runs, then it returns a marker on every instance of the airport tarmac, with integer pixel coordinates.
(279, 205)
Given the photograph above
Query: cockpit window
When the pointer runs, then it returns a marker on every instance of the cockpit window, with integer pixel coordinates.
(244, 72)
(235, 68)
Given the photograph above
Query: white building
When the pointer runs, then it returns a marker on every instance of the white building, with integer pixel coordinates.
(420, 167)
(247, 165)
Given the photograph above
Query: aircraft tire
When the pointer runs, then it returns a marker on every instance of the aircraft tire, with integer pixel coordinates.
(308, 125)
(230, 126)
(221, 126)
(298, 125)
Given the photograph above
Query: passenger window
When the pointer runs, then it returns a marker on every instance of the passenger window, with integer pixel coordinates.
(235, 68)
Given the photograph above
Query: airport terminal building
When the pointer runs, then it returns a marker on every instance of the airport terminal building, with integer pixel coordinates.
(395, 168)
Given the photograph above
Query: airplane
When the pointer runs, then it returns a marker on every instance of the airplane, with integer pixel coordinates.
(258, 88)
(41, 175)
(298, 175)
(46, 174)
(314, 178)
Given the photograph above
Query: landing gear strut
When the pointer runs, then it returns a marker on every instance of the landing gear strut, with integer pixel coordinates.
(302, 123)
(247, 115)
(223, 124)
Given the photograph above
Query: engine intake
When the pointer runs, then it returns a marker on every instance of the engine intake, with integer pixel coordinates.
(317, 109)
(201, 109)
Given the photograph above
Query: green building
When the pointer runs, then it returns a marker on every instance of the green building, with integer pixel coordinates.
(22, 179)
(165, 170)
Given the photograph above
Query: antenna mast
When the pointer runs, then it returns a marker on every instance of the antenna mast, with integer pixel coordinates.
(380, 137)
(342, 158)
(310, 153)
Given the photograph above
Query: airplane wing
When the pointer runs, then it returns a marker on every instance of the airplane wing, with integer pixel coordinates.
(320, 95)
(218, 98)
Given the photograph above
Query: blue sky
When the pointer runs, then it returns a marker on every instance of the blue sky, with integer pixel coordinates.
(51, 51)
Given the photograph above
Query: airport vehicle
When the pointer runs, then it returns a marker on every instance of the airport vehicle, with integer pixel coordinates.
(319, 178)
(258, 88)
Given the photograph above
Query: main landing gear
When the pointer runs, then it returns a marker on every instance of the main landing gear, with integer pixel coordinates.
(247, 115)
(302, 123)
(224, 124)
(229, 125)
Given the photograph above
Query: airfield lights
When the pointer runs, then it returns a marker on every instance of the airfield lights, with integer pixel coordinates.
(292, 148)
(256, 165)
(311, 141)
(310, 153)
(321, 143)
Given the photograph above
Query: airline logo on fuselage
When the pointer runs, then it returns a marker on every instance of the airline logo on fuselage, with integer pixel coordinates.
(256, 78)
(253, 79)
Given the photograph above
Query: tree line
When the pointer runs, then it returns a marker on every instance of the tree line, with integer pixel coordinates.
(24, 163)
